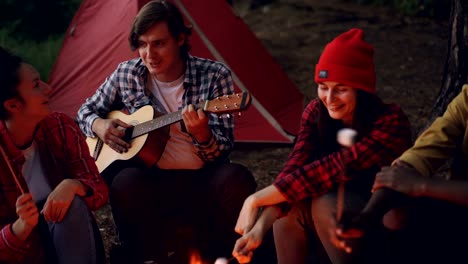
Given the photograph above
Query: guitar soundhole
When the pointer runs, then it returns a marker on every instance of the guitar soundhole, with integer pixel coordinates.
(133, 122)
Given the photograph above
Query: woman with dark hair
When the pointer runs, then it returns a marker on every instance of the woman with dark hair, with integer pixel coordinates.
(307, 187)
(49, 183)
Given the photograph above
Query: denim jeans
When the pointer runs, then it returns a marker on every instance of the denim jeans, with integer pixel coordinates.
(75, 240)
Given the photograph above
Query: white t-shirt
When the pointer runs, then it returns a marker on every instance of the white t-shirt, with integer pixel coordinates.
(33, 173)
(180, 153)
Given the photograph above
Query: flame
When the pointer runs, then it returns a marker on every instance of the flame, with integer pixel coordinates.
(195, 258)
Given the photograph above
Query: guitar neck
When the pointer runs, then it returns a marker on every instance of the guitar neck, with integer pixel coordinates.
(156, 123)
(219, 105)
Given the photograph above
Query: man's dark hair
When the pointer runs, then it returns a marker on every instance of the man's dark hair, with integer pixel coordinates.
(155, 12)
(9, 78)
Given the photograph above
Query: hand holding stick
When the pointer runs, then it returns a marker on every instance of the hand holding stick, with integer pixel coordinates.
(224, 260)
(346, 137)
(380, 202)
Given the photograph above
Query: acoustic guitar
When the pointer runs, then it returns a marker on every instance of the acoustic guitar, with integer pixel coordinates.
(150, 130)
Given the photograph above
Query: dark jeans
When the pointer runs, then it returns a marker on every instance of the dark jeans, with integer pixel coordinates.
(432, 232)
(74, 240)
(163, 214)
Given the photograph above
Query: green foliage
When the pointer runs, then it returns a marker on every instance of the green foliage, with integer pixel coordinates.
(40, 54)
(34, 29)
(33, 19)
(430, 8)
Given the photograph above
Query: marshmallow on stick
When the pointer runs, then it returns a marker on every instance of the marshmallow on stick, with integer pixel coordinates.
(346, 137)
(221, 261)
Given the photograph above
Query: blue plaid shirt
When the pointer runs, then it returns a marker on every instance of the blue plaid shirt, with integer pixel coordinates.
(126, 89)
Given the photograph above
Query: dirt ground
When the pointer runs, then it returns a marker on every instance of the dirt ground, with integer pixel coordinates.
(409, 58)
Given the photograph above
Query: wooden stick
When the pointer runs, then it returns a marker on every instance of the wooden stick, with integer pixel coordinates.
(7, 160)
(341, 186)
(340, 202)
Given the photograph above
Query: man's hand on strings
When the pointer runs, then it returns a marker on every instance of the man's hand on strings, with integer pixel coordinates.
(111, 132)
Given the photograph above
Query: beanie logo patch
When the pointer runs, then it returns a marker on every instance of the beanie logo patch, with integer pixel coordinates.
(323, 74)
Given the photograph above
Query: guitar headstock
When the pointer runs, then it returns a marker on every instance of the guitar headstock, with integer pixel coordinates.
(228, 103)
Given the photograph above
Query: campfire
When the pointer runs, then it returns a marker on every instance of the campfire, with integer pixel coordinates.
(195, 258)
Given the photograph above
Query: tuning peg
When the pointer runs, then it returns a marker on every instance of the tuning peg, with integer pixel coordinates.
(239, 114)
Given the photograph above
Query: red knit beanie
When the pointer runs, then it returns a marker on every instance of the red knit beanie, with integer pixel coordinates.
(348, 60)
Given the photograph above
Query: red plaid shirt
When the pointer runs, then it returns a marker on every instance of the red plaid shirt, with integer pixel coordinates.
(302, 178)
(64, 154)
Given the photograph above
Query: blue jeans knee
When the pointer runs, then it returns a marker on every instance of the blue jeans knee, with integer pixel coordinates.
(74, 237)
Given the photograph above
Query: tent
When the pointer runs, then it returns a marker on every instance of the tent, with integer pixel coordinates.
(96, 41)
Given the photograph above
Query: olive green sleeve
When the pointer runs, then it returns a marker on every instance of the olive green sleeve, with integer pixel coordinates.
(438, 143)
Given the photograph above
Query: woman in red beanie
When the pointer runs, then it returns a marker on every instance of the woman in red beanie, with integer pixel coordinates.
(305, 192)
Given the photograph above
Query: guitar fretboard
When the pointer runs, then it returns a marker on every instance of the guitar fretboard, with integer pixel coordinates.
(220, 105)
(156, 123)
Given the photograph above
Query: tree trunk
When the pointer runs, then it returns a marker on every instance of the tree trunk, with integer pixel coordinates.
(456, 64)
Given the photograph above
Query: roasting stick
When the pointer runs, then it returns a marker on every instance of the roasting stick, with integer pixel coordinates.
(346, 137)
(224, 260)
(340, 202)
(7, 160)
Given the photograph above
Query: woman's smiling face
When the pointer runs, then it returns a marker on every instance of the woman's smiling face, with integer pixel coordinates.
(339, 99)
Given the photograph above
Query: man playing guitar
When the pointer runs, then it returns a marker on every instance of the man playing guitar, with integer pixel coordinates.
(193, 183)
